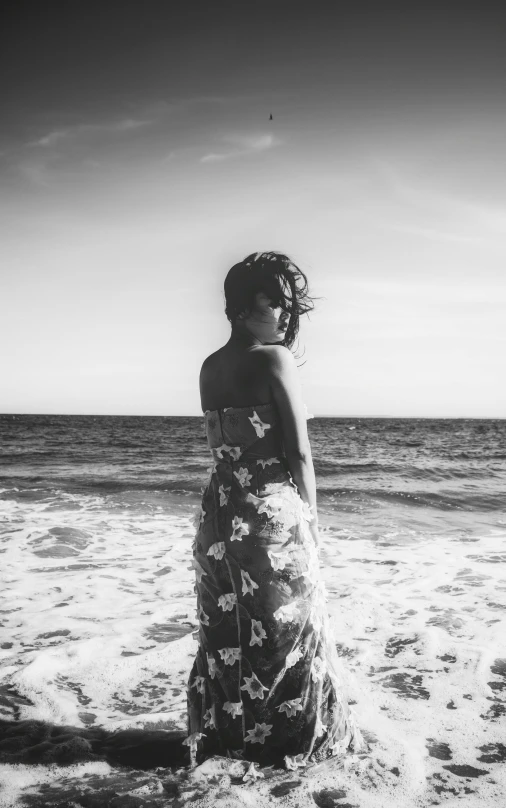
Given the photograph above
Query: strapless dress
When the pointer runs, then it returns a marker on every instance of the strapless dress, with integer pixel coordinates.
(265, 683)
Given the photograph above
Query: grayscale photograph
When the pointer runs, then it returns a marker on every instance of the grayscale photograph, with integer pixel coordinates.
(252, 404)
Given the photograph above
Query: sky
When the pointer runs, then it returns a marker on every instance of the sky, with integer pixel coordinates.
(138, 164)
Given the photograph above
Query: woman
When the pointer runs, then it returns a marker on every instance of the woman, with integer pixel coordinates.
(264, 685)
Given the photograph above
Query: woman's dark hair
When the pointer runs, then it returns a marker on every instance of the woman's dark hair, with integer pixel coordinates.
(275, 275)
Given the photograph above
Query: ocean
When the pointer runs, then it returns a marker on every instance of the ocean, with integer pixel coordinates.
(97, 612)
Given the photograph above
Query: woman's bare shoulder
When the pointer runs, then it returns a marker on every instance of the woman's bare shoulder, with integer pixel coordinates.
(211, 361)
(261, 361)
(275, 358)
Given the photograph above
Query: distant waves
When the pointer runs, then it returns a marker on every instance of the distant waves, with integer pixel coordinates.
(418, 463)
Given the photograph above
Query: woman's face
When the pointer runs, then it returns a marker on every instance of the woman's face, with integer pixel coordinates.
(267, 322)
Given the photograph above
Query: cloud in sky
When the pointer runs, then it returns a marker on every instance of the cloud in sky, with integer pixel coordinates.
(51, 139)
(72, 151)
(58, 135)
(244, 144)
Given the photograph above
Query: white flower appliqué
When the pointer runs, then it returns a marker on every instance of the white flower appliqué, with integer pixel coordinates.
(279, 560)
(287, 613)
(267, 461)
(199, 570)
(217, 550)
(200, 684)
(294, 762)
(211, 664)
(248, 584)
(210, 717)
(290, 707)
(199, 517)
(233, 451)
(254, 687)
(318, 669)
(233, 707)
(252, 774)
(239, 529)
(230, 655)
(293, 657)
(257, 633)
(311, 572)
(260, 427)
(223, 492)
(202, 616)
(340, 747)
(228, 601)
(271, 506)
(243, 476)
(193, 739)
(259, 734)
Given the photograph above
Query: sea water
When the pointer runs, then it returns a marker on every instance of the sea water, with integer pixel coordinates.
(97, 606)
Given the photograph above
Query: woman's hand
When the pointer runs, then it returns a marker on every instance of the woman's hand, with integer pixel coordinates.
(313, 527)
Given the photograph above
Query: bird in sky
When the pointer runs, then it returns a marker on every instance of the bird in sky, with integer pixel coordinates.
(270, 117)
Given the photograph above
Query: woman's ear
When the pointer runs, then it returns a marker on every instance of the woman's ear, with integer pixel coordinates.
(242, 315)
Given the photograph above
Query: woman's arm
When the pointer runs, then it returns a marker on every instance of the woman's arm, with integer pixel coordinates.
(286, 391)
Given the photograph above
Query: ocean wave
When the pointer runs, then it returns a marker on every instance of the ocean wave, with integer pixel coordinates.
(451, 500)
(328, 467)
(405, 471)
(38, 489)
(479, 455)
(81, 485)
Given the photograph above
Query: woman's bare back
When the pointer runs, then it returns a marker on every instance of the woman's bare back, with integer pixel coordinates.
(235, 376)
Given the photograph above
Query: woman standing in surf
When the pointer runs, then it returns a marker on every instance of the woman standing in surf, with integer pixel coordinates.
(264, 685)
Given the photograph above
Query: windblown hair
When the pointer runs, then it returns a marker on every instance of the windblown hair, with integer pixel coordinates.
(275, 275)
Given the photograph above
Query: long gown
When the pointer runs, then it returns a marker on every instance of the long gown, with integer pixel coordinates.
(265, 682)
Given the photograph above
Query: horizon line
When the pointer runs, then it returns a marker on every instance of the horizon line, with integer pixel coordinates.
(201, 415)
